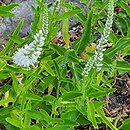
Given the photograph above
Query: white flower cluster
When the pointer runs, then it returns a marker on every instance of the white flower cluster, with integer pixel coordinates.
(96, 61)
(100, 48)
(29, 54)
(88, 67)
(45, 22)
(98, 57)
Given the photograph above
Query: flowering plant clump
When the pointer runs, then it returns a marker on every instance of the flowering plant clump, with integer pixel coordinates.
(96, 61)
(29, 54)
(59, 92)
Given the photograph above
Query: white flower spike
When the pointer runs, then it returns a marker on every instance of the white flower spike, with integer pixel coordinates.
(100, 48)
(96, 61)
(29, 54)
(45, 22)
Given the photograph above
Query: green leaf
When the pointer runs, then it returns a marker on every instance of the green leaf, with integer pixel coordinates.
(80, 17)
(70, 123)
(4, 101)
(10, 127)
(71, 95)
(34, 25)
(5, 111)
(65, 32)
(14, 122)
(5, 10)
(49, 69)
(98, 104)
(57, 121)
(17, 39)
(15, 83)
(123, 66)
(2, 64)
(34, 127)
(45, 115)
(64, 123)
(43, 85)
(12, 68)
(121, 44)
(57, 69)
(32, 96)
(82, 120)
(91, 114)
(113, 38)
(125, 124)
(48, 98)
(86, 36)
(37, 115)
(27, 117)
(105, 119)
(59, 127)
(71, 115)
(72, 57)
(68, 14)
(60, 50)
(67, 80)
(4, 74)
(121, 25)
(6, 13)
(100, 92)
(9, 7)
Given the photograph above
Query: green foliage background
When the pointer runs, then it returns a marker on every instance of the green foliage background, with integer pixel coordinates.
(44, 98)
